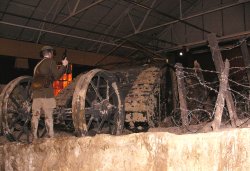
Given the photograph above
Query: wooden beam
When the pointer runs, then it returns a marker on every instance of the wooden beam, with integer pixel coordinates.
(31, 50)
(219, 66)
(182, 95)
(220, 102)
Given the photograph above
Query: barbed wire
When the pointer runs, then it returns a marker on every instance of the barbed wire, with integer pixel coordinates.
(201, 96)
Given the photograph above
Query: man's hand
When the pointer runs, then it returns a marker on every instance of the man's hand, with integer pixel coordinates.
(65, 62)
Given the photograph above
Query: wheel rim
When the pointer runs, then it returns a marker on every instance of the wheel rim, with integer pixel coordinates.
(97, 105)
(15, 110)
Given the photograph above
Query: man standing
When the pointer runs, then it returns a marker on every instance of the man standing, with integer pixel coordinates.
(44, 101)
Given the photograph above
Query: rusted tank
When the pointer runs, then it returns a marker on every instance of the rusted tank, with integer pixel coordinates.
(145, 94)
(97, 101)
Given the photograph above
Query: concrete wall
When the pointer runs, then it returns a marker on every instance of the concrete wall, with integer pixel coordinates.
(225, 150)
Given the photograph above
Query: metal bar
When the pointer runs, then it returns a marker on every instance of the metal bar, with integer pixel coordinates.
(204, 42)
(167, 15)
(111, 26)
(114, 49)
(132, 23)
(62, 25)
(180, 10)
(62, 34)
(5, 9)
(45, 17)
(28, 19)
(193, 4)
(244, 17)
(103, 38)
(143, 49)
(146, 16)
(81, 10)
(189, 17)
(132, 53)
(76, 5)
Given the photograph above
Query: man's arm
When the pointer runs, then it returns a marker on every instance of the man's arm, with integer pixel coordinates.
(57, 73)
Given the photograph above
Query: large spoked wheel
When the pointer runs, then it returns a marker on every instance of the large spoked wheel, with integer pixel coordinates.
(97, 105)
(15, 109)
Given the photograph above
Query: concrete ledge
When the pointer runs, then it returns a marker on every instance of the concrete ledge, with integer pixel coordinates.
(225, 150)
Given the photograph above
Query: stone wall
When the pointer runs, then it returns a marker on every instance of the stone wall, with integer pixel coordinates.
(225, 150)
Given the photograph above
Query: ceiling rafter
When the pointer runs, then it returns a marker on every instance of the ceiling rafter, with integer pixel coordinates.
(62, 34)
(146, 16)
(186, 18)
(78, 12)
(161, 13)
(63, 25)
(42, 25)
(119, 18)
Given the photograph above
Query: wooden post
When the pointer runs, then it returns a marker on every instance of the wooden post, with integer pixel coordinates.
(182, 94)
(174, 89)
(219, 66)
(199, 74)
(220, 102)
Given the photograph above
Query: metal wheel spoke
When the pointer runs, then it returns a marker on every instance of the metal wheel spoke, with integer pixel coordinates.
(15, 102)
(100, 125)
(89, 123)
(107, 92)
(87, 99)
(12, 111)
(21, 93)
(111, 94)
(27, 90)
(112, 122)
(98, 82)
(19, 135)
(25, 130)
(110, 126)
(15, 105)
(96, 91)
(14, 122)
(101, 100)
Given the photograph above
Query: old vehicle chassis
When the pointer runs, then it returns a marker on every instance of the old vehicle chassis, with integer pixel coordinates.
(92, 103)
(98, 101)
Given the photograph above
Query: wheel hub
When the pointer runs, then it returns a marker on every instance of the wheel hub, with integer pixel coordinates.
(102, 109)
